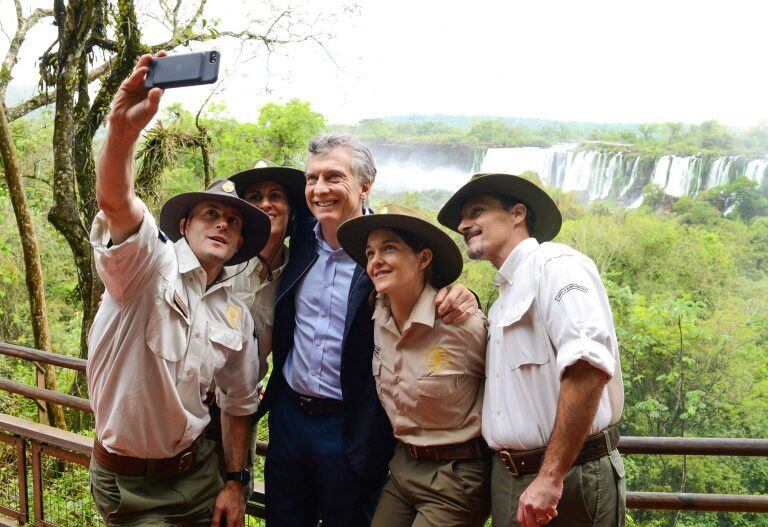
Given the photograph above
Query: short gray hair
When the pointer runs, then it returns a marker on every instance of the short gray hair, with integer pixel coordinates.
(363, 167)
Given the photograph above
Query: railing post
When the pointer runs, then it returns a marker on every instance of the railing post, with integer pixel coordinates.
(21, 455)
(37, 482)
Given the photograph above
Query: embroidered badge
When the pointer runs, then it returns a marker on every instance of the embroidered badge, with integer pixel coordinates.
(437, 359)
(570, 287)
(234, 314)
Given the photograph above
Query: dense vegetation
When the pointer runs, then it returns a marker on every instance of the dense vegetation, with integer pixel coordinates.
(688, 286)
(709, 137)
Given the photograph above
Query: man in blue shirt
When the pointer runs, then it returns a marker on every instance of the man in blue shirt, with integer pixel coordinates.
(330, 440)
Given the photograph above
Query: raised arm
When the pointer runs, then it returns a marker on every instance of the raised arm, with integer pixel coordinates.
(133, 108)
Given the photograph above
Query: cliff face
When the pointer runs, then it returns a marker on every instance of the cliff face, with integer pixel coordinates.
(597, 174)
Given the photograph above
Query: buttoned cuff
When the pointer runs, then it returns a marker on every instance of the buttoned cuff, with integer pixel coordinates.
(237, 405)
(586, 349)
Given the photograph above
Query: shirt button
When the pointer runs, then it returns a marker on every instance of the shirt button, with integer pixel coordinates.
(324, 314)
(498, 375)
(498, 412)
(197, 334)
(397, 380)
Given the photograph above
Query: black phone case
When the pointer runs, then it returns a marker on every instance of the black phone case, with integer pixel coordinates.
(190, 69)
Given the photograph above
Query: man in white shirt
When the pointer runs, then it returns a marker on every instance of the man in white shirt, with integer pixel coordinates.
(169, 327)
(554, 391)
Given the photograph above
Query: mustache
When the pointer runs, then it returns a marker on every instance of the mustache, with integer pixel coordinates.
(468, 233)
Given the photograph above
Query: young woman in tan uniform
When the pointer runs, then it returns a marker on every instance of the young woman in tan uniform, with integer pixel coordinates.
(429, 375)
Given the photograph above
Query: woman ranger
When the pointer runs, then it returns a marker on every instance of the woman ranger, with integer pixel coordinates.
(429, 375)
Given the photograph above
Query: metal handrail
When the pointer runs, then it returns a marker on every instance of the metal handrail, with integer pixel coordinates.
(627, 444)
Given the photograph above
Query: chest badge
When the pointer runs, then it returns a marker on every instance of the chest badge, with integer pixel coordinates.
(234, 314)
(437, 359)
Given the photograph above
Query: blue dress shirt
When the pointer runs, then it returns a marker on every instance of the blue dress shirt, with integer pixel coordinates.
(313, 366)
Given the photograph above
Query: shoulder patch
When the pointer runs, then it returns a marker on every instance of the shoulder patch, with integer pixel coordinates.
(570, 287)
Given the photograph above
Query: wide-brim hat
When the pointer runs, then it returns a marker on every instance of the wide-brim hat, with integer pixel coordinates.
(292, 180)
(256, 224)
(547, 217)
(446, 255)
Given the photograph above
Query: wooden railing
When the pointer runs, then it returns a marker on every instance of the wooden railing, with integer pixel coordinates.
(73, 448)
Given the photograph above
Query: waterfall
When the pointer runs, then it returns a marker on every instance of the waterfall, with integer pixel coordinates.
(756, 171)
(594, 174)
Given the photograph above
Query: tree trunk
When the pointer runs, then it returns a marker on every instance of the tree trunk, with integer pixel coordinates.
(33, 275)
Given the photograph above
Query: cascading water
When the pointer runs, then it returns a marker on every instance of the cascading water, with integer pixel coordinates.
(596, 174)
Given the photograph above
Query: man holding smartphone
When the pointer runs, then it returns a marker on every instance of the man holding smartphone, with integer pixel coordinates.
(169, 327)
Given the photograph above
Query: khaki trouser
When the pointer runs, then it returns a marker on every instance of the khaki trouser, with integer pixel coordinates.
(422, 492)
(594, 494)
(185, 500)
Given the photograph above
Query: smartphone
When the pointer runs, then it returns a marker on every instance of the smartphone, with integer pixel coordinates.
(189, 69)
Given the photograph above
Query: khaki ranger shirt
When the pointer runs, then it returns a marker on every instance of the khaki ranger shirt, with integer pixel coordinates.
(158, 342)
(552, 311)
(259, 295)
(430, 377)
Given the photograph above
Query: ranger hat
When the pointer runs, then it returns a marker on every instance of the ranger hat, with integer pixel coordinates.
(446, 258)
(292, 180)
(256, 224)
(547, 217)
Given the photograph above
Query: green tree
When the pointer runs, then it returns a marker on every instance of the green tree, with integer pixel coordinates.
(286, 129)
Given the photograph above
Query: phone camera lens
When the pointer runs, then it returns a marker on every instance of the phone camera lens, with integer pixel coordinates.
(212, 58)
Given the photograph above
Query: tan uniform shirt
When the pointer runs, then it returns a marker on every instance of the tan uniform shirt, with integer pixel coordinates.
(258, 294)
(158, 342)
(430, 377)
(552, 311)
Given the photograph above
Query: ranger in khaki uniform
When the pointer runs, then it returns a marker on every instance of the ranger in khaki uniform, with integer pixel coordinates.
(169, 326)
(429, 374)
(554, 391)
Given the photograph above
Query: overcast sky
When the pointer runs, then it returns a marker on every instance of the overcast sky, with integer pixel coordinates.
(600, 61)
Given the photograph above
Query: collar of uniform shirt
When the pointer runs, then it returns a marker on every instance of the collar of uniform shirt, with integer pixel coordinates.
(423, 312)
(189, 262)
(515, 258)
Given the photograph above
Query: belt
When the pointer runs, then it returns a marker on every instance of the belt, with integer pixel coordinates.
(317, 406)
(472, 449)
(134, 466)
(523, 462)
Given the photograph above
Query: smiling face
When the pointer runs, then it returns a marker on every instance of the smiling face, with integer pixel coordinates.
(490, 230)
(213, 232)
(271, 197)
(334, 194)
(392, 264)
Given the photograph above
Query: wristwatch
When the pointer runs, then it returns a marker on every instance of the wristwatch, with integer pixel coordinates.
(243, 476)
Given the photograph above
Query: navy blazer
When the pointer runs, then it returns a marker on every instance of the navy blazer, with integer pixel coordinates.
(367, 433)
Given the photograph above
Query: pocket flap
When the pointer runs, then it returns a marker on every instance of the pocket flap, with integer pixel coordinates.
(514, 313)
(437, 386)
(229, 338)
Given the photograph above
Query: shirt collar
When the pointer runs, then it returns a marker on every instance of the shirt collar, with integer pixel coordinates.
(189, 262)
(187, 259)
(515, 258)
(423, 311)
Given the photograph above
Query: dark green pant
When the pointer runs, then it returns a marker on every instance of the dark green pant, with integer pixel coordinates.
(422, 493)
(146, 501)
(594, 494)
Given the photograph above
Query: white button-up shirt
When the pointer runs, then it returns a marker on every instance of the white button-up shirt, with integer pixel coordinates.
(158, 342)
(552, 311)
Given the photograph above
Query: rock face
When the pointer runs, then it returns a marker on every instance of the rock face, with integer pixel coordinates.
(597, 174)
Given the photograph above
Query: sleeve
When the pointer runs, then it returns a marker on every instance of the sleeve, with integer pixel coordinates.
(575, 311)
(125, 269)
(237, 382)
(476, 334)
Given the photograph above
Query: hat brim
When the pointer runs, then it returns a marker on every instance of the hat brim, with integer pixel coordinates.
(447, 262)
(548, 219)
(256, 224)
(292, 180)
